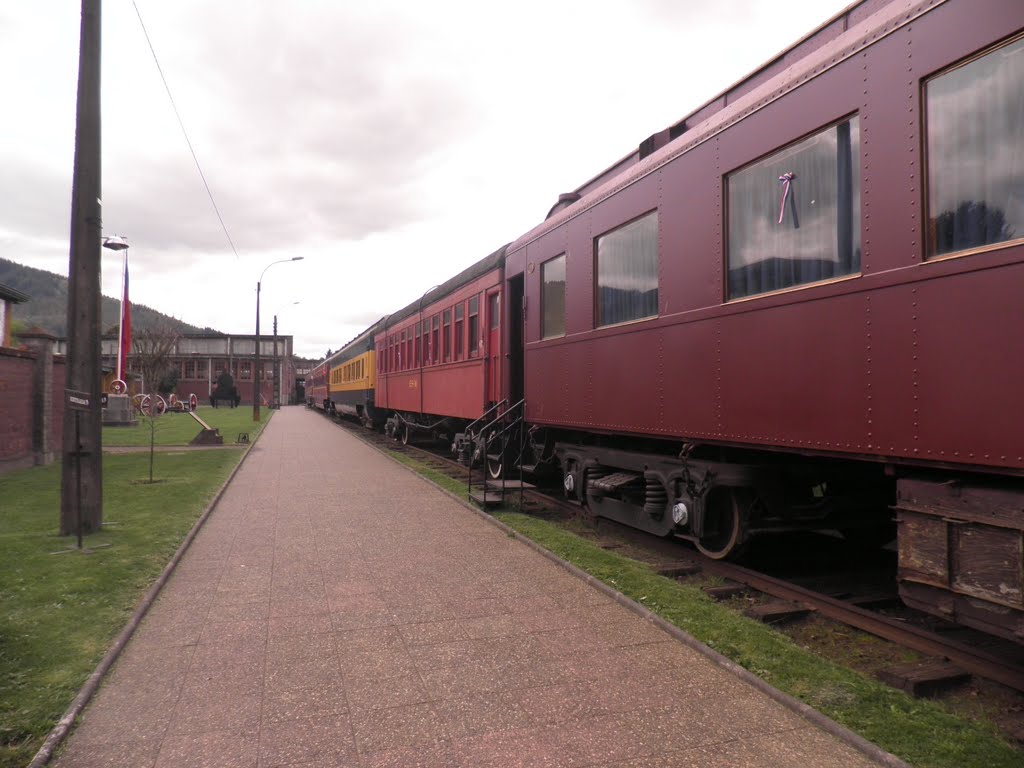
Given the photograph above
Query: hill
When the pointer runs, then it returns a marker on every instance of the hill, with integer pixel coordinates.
(48, 303)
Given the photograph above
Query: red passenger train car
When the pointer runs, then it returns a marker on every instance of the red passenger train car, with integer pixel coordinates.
(798, 306)
(803, 303)
(439, 361)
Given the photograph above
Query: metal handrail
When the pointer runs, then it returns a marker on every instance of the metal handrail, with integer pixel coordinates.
(504, 415)
(484, 415)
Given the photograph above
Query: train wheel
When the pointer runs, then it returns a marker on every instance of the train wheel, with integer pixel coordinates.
(495, 467)
(725, 529)
(403, 434)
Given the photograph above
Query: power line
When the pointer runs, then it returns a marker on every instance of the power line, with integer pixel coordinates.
(183, 131)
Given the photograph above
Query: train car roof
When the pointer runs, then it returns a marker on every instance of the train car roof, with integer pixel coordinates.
(469, 274)
(814, 41)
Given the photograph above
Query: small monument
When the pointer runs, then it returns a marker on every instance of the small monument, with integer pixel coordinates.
(118, 411)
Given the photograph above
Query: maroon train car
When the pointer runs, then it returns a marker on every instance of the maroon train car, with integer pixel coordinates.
(802, 304)
(316, 386)
(439, 360)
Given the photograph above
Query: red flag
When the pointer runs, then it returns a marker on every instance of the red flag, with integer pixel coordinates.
(125, 344)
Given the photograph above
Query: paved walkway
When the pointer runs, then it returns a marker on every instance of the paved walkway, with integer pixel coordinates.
(337, 610)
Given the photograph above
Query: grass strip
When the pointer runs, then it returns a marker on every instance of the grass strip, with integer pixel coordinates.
(919, 732)
(174, 428)
(61, 611)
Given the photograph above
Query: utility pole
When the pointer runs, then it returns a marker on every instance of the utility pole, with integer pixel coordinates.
(82, 481)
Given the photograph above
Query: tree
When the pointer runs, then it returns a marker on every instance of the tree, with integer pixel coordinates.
(152, 352)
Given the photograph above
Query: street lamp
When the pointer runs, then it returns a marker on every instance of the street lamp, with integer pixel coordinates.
(258, 372)
(119, 243)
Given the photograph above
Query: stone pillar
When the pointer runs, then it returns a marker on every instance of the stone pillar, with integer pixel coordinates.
(41, 343)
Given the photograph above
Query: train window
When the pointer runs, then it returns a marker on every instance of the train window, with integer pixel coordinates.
(447, 335)
(474, 326)
(974, 119)
(493, 307)
(627, 272)
(459, 327)
(418, 350)
(794, 217)
(552, 297)
(435, 341)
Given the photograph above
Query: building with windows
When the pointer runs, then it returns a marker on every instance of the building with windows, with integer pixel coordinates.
(199, 359)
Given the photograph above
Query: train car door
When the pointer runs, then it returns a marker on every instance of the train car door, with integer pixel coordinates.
(494, 346)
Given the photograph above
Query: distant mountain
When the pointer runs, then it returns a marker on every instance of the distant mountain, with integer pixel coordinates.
(48, 304)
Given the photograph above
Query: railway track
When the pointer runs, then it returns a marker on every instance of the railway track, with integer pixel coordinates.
(670, 556)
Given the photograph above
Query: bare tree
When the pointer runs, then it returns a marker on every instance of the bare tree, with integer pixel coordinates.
(152, 351)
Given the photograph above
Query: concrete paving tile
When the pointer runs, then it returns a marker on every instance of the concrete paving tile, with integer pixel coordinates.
(169, 634)
(630, 632)
(481, 713)
(285, 626)
(594, 741)
(304, 674)
(286, 648)
(523, 748)
(229, 680)
(224, 711)
(131, 750)
(326, 739)
(385, 693)
(347, 588)
(477, 607)
(435, 755)
(448, 654)
(505, 625)
(372, 638)
(344, 603)
(115, 721)
(303, 703)
(215, 749)
(388, 729)
(361, 618)
(462, 681)
(376, 664)
(255, 611)
(421, 613)
(431, 633)
(303, 607)
(246, 632)
(216, 656)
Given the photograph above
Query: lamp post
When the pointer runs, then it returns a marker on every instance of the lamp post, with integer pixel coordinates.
(119, 243)
(258, 372)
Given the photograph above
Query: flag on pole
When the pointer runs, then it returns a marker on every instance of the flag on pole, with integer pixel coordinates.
(125, 335)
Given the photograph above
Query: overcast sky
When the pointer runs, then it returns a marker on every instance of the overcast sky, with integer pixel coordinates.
(391, 144)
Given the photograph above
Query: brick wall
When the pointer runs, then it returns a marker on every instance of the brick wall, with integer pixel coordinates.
(16, 372)
(24, 413)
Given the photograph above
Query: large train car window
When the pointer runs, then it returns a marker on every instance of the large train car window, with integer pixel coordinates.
(627, 272)
(474, 326)
(435, 341)
(459, 327)
(552, 298)
(974, 121)
(794, 217)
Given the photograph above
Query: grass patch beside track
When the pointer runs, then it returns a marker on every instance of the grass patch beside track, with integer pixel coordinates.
(919, 732)
(174, 428)
(61, 612)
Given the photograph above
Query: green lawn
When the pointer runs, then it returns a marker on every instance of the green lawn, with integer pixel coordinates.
(61, 611)
(175, 428)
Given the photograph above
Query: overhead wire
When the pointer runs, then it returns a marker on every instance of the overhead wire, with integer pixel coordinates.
(184, 132)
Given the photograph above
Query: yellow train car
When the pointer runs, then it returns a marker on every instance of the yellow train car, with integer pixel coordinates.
(353, 378)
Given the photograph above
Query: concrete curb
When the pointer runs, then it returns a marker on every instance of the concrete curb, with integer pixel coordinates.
(862, 745)
(92, 684)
